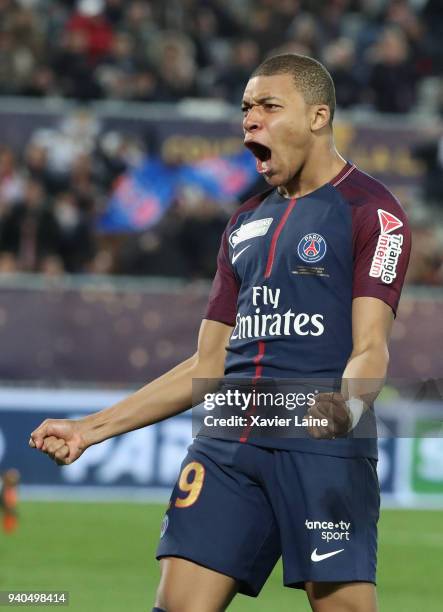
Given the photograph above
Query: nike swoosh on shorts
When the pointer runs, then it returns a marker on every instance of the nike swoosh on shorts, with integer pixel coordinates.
(316, 557)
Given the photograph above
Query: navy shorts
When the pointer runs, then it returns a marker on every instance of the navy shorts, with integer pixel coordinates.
(236, 508)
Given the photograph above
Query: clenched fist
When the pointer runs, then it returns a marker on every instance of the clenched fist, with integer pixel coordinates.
(330, 406)
(60, 439)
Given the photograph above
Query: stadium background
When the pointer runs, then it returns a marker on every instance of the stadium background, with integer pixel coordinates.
(120, 161)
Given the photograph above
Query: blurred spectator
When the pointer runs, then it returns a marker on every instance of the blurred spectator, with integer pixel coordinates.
(330, 19)
(26, 28)
(71, 63)
(426, 265)
(41, 84)
(229, 23)
(205, 35)
(306, 32)
(177, 68)
(7, 7)
(432, 15)
(261, 29)
(339, 58)
(393, 80)
(30, 238)
(75, 136)
(399, 13)
(155, 252)
(22, 43)
(115, 154)
(83, 183)
(76, 241)
(116, 71)
(121, 55)
(139, 23)
(11, 182)
(90, 24)
(145, 86)
(114, 11)
(232, 81)
(431, 154)
(36, 168)
(202, 222)
(283, 12)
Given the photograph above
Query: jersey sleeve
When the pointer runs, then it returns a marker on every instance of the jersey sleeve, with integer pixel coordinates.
(222, 303)
(382, 245)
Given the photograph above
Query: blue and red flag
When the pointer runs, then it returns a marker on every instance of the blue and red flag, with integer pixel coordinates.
(222, 178)
(142, 195)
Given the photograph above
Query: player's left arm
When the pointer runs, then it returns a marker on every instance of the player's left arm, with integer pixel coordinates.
(365, 372)
(372, 321)
(381, 249)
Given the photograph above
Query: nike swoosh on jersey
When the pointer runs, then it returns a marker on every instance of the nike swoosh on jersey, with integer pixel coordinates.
(235, 256)
(316, 557)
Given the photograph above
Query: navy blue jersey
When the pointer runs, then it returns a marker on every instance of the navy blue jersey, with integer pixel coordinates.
(288, 270)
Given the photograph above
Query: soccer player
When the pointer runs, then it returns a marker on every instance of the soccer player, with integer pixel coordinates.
(308, 282)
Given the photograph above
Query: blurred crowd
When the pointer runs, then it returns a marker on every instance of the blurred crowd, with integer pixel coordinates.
(379, 51)
(52, 196)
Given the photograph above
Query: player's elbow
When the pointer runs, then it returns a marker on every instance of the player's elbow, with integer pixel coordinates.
(209, 366)
(208, 363)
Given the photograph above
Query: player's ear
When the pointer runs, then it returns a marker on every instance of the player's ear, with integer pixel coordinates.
(320, 117)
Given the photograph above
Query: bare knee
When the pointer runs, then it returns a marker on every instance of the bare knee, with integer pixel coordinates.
(342, 597)
(188, 587)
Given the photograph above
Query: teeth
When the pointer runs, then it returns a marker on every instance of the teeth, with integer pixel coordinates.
(264, 166)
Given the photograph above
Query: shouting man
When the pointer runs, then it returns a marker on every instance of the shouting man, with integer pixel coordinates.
(308, 282)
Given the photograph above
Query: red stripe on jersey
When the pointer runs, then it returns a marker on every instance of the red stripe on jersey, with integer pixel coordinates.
(277, 233)
(261, 345)
(258, 372)
(257, 360)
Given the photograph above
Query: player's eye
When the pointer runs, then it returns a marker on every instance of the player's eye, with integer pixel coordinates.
(245, 109)
(270, 106)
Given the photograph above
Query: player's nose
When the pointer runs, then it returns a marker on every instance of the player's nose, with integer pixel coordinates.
(252, 120)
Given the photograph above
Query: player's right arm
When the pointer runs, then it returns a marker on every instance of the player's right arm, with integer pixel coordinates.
(65, 440)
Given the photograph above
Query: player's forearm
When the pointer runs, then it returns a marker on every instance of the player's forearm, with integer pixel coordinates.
(164, 397)
(365, 373)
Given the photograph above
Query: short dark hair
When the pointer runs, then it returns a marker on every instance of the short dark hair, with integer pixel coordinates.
(311, 78)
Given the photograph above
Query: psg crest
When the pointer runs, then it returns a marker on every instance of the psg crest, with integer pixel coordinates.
(311, 248)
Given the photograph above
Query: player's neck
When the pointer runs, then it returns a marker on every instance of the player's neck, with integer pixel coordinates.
(318, 170)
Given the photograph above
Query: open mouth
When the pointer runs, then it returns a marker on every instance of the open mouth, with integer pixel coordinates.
(262, 154)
